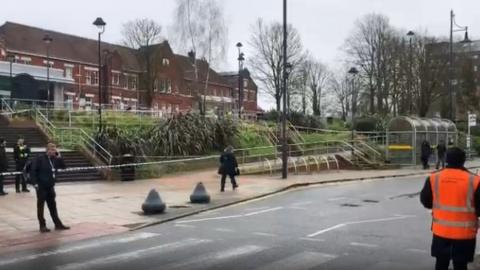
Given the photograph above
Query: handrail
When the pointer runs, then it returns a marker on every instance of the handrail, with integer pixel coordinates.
(93, 146)
(5, 104)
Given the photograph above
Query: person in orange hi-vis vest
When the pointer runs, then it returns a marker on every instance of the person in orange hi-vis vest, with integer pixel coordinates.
(454, 197)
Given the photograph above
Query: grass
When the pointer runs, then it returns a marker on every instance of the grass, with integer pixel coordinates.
(318, 137)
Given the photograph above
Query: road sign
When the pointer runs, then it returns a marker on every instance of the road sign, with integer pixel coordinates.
(472, 120)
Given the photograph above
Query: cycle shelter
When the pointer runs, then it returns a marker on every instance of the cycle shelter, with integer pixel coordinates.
(406, 134)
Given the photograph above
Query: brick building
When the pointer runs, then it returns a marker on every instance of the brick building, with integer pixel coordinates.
(74, 74)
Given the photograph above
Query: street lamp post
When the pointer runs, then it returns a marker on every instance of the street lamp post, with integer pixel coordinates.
(410, 34)
(353, 71)
(101, 27)
(284, 112)
(10, 59)
(241, 59)
(48, 40)
(451, 92)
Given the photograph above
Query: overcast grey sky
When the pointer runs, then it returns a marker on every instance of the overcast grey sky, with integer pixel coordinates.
(323, 24)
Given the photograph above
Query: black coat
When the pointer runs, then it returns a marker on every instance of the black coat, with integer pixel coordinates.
(463, 250)
(41, 172)
(441, 150)
(3, 160)
(20, 155)
(228, 164)
(426, 149)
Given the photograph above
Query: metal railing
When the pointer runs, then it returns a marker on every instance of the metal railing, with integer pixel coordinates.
(72, 137)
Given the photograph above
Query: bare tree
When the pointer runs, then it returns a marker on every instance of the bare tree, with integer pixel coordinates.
(339, 86)
(142, 34)
(199, 26)
(267, 60)
(317, 79)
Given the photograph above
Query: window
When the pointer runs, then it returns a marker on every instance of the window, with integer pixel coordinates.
(45, 63)
(69, 72)
(165, 62)
(133, 82)
(25, 60)
(166, 86)
(125, 81)
(155, 85)
(115, 78)
(91, 77)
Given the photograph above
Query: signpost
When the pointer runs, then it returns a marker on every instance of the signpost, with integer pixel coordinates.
(472, 121)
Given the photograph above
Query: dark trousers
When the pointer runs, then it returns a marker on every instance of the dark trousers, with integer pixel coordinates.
(425, 162)
(440, 161)
(232, 180)
(1, 183)
(47, 194)
(19, 177)
(443, 263)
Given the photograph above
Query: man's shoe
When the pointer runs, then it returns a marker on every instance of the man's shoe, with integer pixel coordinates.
(235, 187)
(17, 191)
(62, 227)
(25, 190)
(3, 193)
(44, 230)
(222, 190)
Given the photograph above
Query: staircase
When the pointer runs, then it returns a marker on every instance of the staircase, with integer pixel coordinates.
(72, 159)
(34, 138)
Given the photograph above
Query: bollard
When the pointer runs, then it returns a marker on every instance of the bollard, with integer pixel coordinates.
(153, 204)
(200, 194)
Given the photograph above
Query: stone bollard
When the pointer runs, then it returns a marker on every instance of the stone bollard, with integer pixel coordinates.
(153, 204)
(200, 194)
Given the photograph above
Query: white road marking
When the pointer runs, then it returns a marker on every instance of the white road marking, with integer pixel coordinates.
(312, 239)
(232, 216)
(356, 244)
(396, 217)
(184, 226)
(416, 250)
(129, 256)
(327, 230)
(82, 246)
(255, 208)
(302, 261)
(263, 211)
(265, 234)
(224, 230)
(216, 257)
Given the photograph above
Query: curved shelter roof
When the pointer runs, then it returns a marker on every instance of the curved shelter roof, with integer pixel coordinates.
(416, 124)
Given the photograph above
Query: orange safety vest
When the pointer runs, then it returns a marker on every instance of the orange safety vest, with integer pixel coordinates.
(453, 211)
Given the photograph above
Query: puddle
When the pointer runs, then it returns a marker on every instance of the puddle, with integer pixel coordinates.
(350, 205)
(179, 206)
(370, 201)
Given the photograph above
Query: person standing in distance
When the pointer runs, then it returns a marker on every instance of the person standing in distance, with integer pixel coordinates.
(441, 152)
(21, 153)
(43, 176)
(228, 166)
(454, 197)
(3, 164)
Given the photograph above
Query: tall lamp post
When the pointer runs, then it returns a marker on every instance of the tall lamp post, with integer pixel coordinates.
(284, 112)
(452, 95)
(48, 40)
(353, 71)
(10, 59)
(101, 29)
(241, 59)
(410, 34)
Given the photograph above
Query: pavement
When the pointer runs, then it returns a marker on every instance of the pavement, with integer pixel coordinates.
(95, 209)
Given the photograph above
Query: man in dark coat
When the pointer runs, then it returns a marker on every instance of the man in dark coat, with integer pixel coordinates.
(43, 176)
(443, 249)
(228, 166)
(21, 153)
(3, 164)
(426, 151)
(441, 154)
